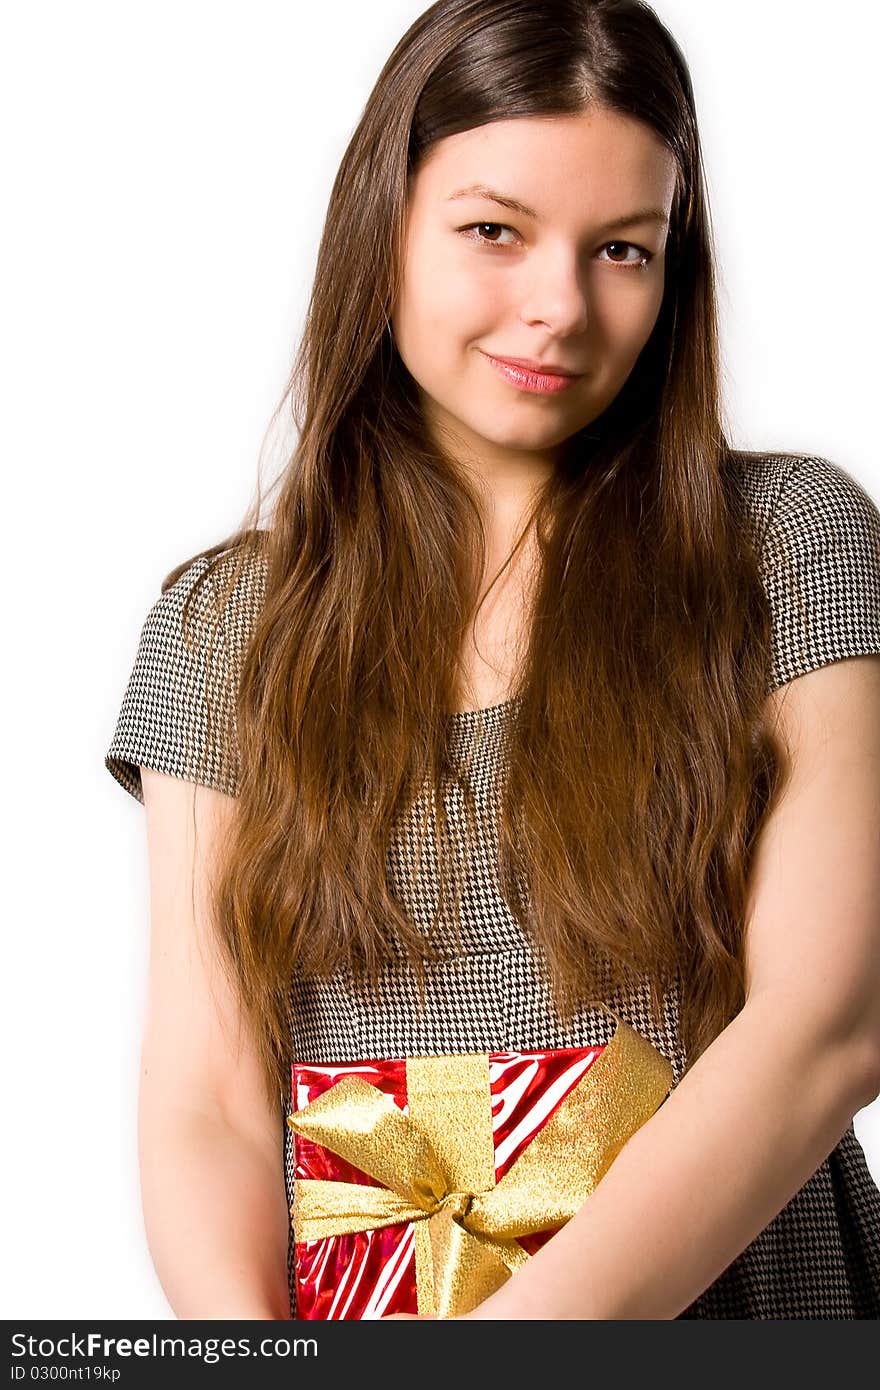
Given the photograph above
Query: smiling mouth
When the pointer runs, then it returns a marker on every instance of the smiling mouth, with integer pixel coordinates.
(544, 383)
(530, 365)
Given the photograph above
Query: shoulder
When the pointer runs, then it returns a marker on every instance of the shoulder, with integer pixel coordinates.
(797, 498)
(816, 529)
(756, 483)
(222, 588)
(178, 712)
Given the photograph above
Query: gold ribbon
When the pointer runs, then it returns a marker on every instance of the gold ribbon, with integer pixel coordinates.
(436, 1164)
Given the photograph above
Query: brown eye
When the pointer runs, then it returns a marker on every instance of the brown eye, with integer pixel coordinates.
(643, 257)
(474, 232)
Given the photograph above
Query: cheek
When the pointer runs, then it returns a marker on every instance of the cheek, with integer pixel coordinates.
(434, 296)
(628, 321)
(440, 320)
(458, 306)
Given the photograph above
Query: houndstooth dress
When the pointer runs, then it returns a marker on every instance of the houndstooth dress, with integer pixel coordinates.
(818, 536)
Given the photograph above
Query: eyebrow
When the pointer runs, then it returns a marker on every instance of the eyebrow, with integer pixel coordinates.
(479, 190)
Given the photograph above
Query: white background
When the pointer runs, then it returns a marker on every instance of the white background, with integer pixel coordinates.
(166, 169)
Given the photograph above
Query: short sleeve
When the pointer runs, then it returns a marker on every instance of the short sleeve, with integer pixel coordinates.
(820, 561)
(177, 712)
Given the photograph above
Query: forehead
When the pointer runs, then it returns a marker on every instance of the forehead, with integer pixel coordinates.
(598, 161)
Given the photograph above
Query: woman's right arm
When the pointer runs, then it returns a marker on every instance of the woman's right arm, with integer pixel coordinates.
(210, 1142)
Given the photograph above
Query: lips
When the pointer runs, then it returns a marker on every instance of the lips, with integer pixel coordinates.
(539, 368)
(542, 383)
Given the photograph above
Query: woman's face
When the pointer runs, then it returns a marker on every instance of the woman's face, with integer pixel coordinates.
(576, 281)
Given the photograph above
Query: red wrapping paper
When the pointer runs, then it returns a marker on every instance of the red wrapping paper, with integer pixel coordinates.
(371, 1273)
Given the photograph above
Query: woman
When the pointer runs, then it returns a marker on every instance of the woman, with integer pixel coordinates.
(536, 707)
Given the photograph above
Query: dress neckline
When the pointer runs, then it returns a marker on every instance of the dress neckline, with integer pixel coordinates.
(465, 716)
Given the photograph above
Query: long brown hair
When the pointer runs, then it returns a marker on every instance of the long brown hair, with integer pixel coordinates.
(640, 769)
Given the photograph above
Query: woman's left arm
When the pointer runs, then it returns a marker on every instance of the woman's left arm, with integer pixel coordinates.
(770, 1098)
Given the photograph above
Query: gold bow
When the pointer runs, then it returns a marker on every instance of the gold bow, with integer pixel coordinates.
(436, 1164)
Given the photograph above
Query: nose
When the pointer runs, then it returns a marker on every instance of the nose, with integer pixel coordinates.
(556, 296)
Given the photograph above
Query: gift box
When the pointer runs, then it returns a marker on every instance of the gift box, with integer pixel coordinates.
(422, 1183)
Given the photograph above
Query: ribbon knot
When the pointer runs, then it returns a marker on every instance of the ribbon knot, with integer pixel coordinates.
(458, 1204)
(436, 1164)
